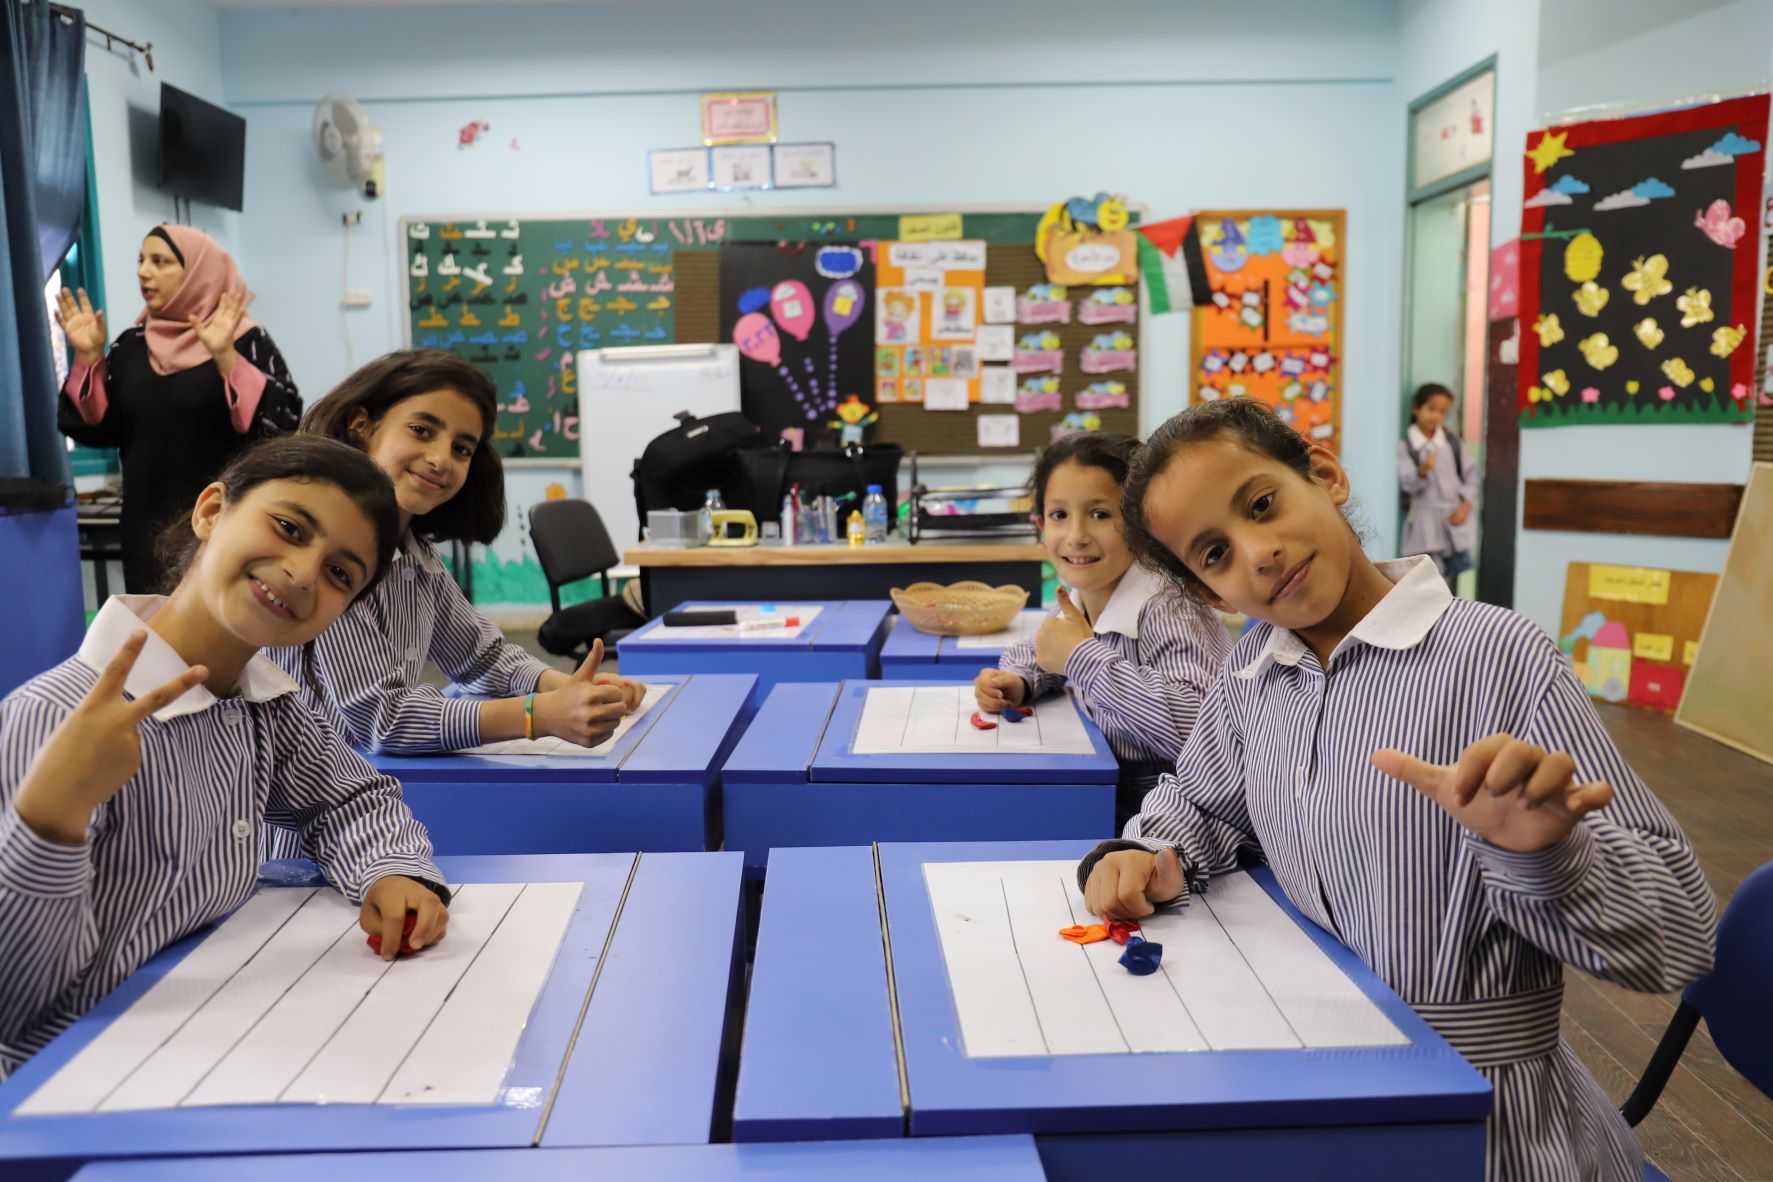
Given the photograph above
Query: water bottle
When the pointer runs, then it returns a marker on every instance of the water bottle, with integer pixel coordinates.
(791, 517)
(711, 504)
(874, 514)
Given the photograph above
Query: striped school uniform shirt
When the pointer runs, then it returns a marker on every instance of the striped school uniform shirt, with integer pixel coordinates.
(178, 846)
(1473, 936)
(365, 669)
(1142, 679)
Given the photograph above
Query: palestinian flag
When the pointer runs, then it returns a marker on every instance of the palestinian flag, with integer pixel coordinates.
(1170, 260)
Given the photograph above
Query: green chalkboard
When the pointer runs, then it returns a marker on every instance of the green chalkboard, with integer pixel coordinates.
(520, 297)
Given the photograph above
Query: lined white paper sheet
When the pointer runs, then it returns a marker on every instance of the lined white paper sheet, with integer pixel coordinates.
(554, 746)
(805, 612)
(1237, 973)
(1023, 627)
(937, 720)
(284, 1003)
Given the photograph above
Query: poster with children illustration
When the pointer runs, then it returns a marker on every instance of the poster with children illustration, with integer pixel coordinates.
(927, 302)
(1269, 325)
(1638, 267)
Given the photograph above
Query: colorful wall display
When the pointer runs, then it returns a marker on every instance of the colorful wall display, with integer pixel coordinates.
(520, 299)
(1638, 270)
(1269, 325)
(1632, 633)
(928, 310)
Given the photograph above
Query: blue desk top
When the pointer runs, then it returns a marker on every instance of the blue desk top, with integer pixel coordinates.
(952, 1094)
(842, 625)
(945, 1159)
(805, 729)
(676, 741)
(906, 645)
(592, 985)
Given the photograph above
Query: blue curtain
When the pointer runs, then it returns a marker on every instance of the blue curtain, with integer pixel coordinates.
(42, 197)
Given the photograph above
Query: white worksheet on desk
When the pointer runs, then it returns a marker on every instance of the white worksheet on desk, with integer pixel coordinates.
(284, 1003)
(1023, 627)
(937, 720)
(804, 612)
(1237, 972)
(554, 746)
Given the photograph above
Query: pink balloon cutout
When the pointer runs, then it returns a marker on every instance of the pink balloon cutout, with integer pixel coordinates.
(792, 305)
(843, 305)
(757, 338)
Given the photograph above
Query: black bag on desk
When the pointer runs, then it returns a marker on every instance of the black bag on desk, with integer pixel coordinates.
(679, 467)
(772, 471)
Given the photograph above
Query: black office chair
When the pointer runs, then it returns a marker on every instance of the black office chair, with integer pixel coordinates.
(572, 544)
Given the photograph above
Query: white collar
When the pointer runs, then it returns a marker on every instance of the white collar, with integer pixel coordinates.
(122, 616)
(1135, 589)
(1421, 442)
(1417, 600)
(422, 552)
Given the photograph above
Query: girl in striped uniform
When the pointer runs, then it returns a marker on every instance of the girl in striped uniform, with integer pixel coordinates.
(1424, 774)
(135, 775)
(1138, 654)
(426, 418)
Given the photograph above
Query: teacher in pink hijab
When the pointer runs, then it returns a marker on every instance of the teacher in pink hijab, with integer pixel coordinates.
(180, 393)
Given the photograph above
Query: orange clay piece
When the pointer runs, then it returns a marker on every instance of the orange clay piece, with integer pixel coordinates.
(1085, 933)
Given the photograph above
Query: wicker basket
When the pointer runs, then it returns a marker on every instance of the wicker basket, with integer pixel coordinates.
(963, 609)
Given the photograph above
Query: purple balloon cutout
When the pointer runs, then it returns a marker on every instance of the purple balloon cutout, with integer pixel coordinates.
(843, 305)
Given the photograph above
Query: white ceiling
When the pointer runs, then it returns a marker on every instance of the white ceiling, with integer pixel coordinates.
(272, 5)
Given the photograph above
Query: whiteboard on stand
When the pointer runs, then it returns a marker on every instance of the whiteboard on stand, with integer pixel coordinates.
(628, 398)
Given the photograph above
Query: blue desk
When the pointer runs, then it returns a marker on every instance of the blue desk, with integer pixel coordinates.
(911, 655)
(843, 640)
(826, 1040)
(792, 781)
(623, 1046)
(949, 1159)
(655, 790)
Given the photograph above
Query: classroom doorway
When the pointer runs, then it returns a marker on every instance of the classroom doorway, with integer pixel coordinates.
(1446, 315)
(1447, 263)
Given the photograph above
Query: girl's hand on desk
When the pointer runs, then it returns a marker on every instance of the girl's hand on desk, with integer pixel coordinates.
(385, 907)
(95, 750)
(1128, 884)
(633, 693)
(582, 711)
(1512, 794)
(995, 689)
(1059, 635)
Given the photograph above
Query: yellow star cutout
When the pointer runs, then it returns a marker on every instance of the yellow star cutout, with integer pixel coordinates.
(1551, 149)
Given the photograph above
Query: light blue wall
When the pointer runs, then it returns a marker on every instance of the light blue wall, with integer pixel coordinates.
(1164, 103)
(125, 100)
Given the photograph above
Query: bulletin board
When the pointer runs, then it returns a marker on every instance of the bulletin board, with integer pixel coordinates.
(520, 296)
(1726, 699)
(1638, 270)
(1270, 325)
(1632, 633)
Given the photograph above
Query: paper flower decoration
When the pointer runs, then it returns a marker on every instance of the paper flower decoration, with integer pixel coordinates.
(1556, 381)
(1678, 372)
(1648, 332)
(1591, 298)
(1725, 339)
(1591, 394)
(1549, 330)
(1582, 258)
(1598, 352)
(1648, 279)
(1633, 386)
(1538, 394)
(1695, 306)
(1666, 393)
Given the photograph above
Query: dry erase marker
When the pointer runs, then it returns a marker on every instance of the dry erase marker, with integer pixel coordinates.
(768, 624)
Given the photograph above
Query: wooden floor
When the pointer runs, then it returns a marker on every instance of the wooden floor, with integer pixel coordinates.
(1710, 1123)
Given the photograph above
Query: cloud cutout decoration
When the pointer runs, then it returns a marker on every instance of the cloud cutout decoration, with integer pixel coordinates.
(1546, 197)
(1622, 200)
(1706, 159)
(1735, 145)
(1652, 188)
(1569, 184)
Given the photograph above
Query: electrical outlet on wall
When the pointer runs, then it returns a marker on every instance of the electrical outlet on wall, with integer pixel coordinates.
(357, 297)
